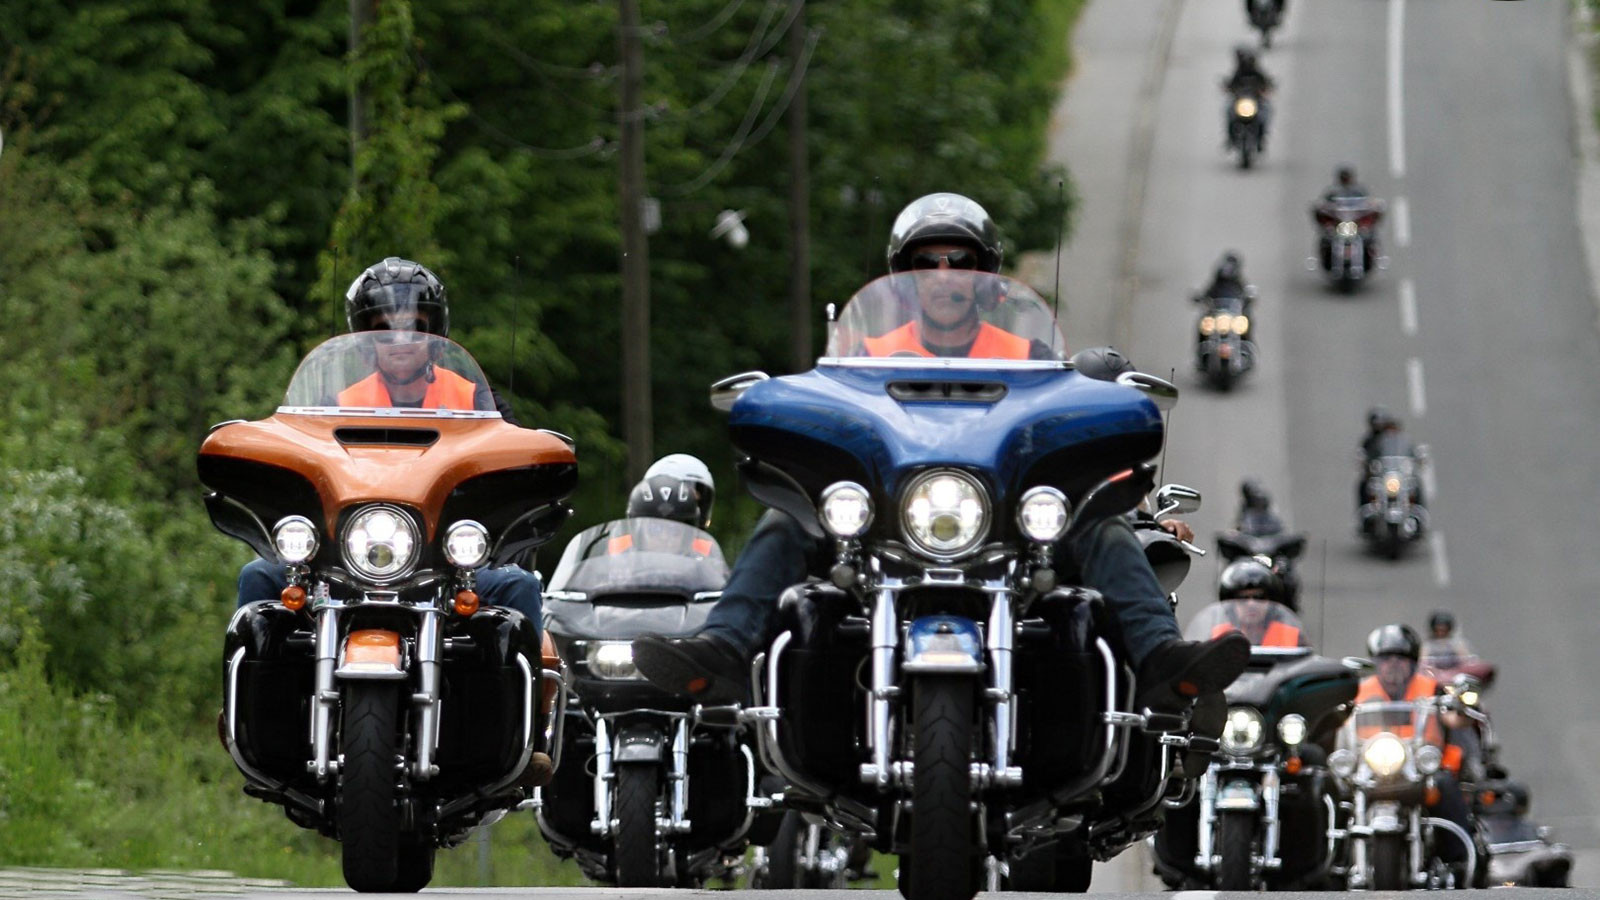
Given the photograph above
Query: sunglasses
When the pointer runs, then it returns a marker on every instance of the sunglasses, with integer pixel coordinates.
(399, 337)
(955, 259)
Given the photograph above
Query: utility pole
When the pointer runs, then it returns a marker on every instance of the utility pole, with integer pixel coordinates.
(799, 205)
(636, 397)
(360, 18)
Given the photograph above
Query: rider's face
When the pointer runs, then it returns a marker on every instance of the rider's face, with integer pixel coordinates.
(402, 346)
(947, 291)
(1394, 672)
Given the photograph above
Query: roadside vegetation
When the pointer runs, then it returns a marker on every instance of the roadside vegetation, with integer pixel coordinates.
(177, 225)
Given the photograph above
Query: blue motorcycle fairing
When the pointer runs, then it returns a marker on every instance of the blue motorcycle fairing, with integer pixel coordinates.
(1049, 426)
(944, 644)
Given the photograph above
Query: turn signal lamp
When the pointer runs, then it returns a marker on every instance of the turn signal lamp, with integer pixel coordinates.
(466, 603)
(293, 598)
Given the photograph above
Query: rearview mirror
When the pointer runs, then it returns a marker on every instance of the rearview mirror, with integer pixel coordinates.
(1358, 663)
(1163, 393)
(726, 390)
(1176, 498)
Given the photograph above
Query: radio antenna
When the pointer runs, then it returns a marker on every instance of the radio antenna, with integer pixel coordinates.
(1166, 441)
(1322, 597)
(336, 261)
(1061, 229)
(516, 297)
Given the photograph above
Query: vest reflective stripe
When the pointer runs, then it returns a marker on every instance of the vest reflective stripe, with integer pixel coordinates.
(991, 343)
(701, 546)
(622, 543)
(447, 391)
(1279, 634)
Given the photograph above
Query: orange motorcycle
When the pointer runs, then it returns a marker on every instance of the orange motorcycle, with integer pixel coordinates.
(376, 699)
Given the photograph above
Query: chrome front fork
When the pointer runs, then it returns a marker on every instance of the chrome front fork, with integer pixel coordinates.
(603, 778)
(679, 777)
(325, 696)
(1002, 634)
(1205, 851)
(885, 638)
(427, 698)
(1271, 794)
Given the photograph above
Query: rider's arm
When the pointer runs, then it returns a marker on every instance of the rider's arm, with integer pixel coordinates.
(494, 400)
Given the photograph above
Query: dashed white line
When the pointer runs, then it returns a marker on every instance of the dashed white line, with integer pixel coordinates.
(1441, 563)
(1397, 135)
(1419, 398)
(1408, 307)
(1402, 222)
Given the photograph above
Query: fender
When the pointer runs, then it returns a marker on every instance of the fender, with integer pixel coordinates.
(1238, 794)
(371, 654)
(943, 644)
(640, 742)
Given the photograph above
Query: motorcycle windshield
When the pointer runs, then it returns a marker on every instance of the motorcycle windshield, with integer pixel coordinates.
(641, 555)
(947, 313)
(1264, 622)
(1447, 653)
(390, 374)
(1405, 719)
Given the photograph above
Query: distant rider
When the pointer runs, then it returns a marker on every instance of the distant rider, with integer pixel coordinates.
(1256, 517)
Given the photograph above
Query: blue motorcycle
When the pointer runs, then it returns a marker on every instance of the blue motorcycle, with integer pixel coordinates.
(947, 692)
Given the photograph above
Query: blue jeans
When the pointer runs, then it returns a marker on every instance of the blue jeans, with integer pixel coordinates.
(1108, 556)
(509, 586)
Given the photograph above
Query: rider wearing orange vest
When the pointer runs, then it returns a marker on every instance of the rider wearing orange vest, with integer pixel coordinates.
(444, 388)
(1249, 591)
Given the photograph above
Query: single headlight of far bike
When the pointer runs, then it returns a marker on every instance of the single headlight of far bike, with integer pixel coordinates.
(1292, 730)
(613, 661)
(295, 539)
(1042, 515)
(1245, 107)
(1347, 229)
(1469, 697)
(1208, 325)
(1384, 755)
(846, 509)
(466, 544)
(1243, 732)
(380, 543)
(945, 513)
(1241, 324)
(1429, 758)
(1391, 484)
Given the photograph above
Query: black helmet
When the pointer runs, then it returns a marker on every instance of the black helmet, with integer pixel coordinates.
(1253, 495)
(944, 218)
(1103, 363)
(1246, 574)
(688, 468)
(1345, 174)
(396, 286)
(1379, 418)
(1440, 617)
(1230, 267)
(1394, 639)
(667, 497)
(1244, 55)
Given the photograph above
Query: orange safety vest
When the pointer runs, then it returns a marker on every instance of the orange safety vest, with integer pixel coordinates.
(991, 343)
(447, 391)
(1279, 634)
(1420, 688)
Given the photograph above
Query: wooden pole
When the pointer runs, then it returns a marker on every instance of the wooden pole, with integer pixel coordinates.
(636, 398)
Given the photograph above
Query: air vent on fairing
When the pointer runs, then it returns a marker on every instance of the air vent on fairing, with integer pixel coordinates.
(391, 437)
(947, 391)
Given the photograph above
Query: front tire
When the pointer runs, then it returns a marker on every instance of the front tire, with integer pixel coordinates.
(638, 862)
(1389, 858)
(369, 822)
(783, 854)
(1238, 839)
(943, 861)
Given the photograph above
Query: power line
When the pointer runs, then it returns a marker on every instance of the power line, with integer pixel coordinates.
(751, 51)
(593, 71)
(595, 144)
(710, 28)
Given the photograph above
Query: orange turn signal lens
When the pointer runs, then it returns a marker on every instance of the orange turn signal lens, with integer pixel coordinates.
(1431, 798)
(293, 598)
(1292, 765)
(466, 603)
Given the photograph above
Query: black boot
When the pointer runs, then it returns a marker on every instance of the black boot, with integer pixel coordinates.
(706, 667)
(1210, 716)
(1178, 671)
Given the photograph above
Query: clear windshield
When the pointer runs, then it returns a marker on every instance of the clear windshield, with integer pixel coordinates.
(1265, 623)
(641, 555)
(390, 373)
(1446, 653)
(1409, 720)
(952, 313)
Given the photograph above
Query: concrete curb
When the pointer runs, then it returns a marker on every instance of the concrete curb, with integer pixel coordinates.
(1586, 140)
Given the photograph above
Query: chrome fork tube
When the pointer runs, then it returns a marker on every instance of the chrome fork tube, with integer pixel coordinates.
(680, 774)
(325, 697)
(885, 637)
(1205, 839)
(1271, 791)
(601, 826)
(1358, 851)
(1000, 640)
(427, 698)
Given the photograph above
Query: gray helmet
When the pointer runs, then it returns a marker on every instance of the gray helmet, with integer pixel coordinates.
(944, 218)
(1248, 573)
(669, 497)
(1394, 639)
(691, 470)
(397, 286)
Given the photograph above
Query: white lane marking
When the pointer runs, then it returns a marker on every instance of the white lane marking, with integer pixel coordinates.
(1194, 895)
(1441, 563)
(1408, 307)
(1397, 134)
(1419, 399)
(1402, 222)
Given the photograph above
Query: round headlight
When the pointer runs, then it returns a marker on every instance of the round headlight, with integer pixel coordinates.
(1208, 325)
(1292, 729)
(380, 543)
(1243, 733)
(612, 660)
(946, 513)
(1429, 759)
(1347, 229)
(1241, 324)
(296, 539)
(846, 509)
(1342, 762)
(1042, 514)
(466, 544)
(1469, 697)
(1384, 755)
(1245, 107)
(1392, 485)
(1224, 323)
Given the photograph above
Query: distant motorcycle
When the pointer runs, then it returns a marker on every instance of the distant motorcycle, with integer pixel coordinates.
(1521, 852)
(669, 795)
(1246, 126)
(1347, 242)
(1265, 15)
(1277, 551)
(1394, 515)
(1223, 350)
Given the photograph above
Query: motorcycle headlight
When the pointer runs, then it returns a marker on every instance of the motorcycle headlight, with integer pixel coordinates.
(946, 513)
(1392, 485)
(1429, 758)
(1224, 323)
(1347, 229)
(1245, 107)
(1342, 762)
(846, 509)
(1241, 324)
(1292, 729)
(296, 539)
(466, 544)
(1208, 325)
(613, 661)
(1384, 755)
(1244, 732)
(1469, 697)
(380, 543)
(1042, 514)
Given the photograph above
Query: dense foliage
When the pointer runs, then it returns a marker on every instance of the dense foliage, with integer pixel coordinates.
(179, 214)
